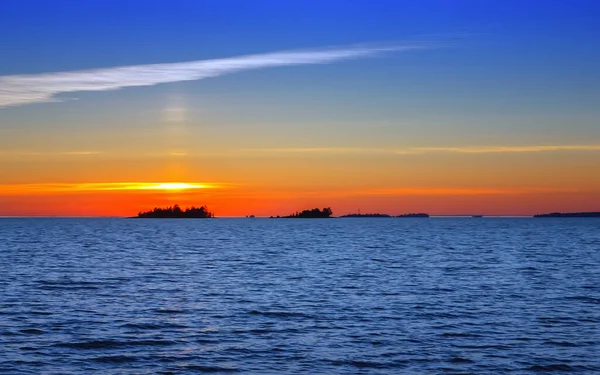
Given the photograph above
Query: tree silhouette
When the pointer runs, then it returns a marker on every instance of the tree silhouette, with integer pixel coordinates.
(315, 213)
(176, 212)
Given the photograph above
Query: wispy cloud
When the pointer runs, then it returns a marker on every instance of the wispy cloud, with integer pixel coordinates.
(45, 188)
(24, 89)
(318, 150)
(57, 153)
(422, 150)
(315, 151)
(233, 190)
(508, 149)
(468, 191)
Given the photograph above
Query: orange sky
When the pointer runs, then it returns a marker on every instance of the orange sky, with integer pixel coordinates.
(284, 181)
(266, 203)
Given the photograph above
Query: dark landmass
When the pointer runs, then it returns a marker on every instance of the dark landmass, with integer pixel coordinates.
(413, 215)
(176, 212)
(569, 214)
(315, 213)
(366, 215)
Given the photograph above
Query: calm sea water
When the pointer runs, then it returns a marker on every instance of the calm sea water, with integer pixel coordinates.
(368, 296)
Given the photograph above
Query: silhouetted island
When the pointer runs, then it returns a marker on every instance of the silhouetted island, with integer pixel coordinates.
(315, 213)
(421, 215)
(176, 212)
(569, 214)
(366, 215)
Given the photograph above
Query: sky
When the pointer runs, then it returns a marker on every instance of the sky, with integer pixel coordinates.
(108, 108)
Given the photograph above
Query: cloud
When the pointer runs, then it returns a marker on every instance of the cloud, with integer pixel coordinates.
(509, 149)
(318, 150)
(45, 188)
(233, 190)
(421, 150)
(35, 88)
(469, 191)
(59, 153)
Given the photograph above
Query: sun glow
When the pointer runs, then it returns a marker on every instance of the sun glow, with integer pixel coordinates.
(103, 186)
(172, 186)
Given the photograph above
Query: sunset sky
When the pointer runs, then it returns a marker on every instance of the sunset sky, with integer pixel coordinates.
(268, 107)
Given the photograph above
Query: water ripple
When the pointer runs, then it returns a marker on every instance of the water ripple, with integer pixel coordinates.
(458, 296)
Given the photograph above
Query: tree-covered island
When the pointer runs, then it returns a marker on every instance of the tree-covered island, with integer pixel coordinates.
(175, 212)
(315, 213)
(415, 215)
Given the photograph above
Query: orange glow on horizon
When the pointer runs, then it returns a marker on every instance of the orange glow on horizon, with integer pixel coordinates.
(127, 199)
(50, 188)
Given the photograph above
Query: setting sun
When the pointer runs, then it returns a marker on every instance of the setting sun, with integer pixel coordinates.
(173, 186)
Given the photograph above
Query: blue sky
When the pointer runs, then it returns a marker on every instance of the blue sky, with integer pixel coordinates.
(516, 75)
(504, 56)
(59, 35)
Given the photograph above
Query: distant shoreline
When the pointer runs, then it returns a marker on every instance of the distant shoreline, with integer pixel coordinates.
(569, 215)
(267, 217)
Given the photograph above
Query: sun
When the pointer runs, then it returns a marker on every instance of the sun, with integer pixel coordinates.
(172, 186)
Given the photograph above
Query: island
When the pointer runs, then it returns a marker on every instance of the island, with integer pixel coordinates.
(175, 212)
(568, 214)
(315, 213)
(417, 215)
(365, 215)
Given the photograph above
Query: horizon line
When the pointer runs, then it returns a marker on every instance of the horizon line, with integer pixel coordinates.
(392, 216)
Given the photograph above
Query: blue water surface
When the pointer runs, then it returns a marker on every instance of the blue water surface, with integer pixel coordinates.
(322, 296)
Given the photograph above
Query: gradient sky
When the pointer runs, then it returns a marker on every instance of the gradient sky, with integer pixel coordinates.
(445, 107)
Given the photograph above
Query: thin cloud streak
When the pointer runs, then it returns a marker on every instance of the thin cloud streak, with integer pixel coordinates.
(234, 190)
(468, 191)
(322, 151)
(509, 149)
(318, 150)
(37, 88)
(60, 153)
(423, 150)
(46, 188)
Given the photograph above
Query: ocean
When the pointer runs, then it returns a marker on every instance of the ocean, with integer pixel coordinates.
(294, 296)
